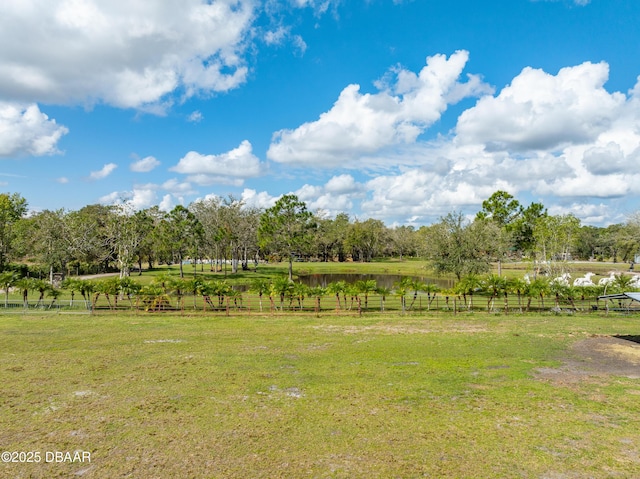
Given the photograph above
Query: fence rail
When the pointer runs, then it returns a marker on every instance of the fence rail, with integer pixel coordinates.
(14, 306)
(248, 303)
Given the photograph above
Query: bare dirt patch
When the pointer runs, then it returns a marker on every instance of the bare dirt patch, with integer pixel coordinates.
(597, 356)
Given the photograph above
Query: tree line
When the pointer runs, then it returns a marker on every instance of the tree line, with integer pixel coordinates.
(223, 234)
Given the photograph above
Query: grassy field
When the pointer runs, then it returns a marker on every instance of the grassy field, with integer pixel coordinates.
(162, 396)
(406, 267)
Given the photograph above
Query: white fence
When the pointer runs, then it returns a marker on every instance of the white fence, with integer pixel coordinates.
(19, 306)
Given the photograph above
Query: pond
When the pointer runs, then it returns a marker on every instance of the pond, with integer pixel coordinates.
(383, 280)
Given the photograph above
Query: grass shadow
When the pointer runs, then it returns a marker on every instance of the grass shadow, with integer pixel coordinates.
(628, 337)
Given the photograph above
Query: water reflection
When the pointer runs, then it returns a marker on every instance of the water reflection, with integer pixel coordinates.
(383, 280)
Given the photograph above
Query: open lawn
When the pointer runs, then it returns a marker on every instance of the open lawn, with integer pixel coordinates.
(291, 396)
(406, 267)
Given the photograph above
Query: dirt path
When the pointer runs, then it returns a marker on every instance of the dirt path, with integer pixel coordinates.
(597, 356)
(97, 276)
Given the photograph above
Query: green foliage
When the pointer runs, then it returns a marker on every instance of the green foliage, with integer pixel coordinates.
(364, 239)
(286, 228)
(621, 283)
(458, 247)
(181, 232)
(280, 287)
(401, 289)
(12, 208)
(501, 208)
(84, 287)
(337, 288)
(366, 287)
(468, 285)
(523, 227)
(330, 236)
(494, 285)
(7, 280)
(554, 237)
(538, 288)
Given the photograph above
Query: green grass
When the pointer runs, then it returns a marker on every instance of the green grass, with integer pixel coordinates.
(296, 396)
(270, 270)
(405, 267)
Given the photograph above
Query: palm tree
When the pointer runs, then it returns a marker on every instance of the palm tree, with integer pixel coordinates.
(42, 287)
(517, 286)
(72, 285)
(352, 291)
(591, 292)
(179, 285)
(154, 296)
(383, 292)
(86, 290)
(337, 288)
(401, 292)
(112, 288)
(222, 289)
(272, 294)
(494, 285)
(281, 286)
(109, 287)
(54, 293)
(559, 290)
(261, 287)
(7, 280)
(206, 289)
(539, 287)
(300, 290)
(431, 289)
(235, 295)
(416, 285)
(366, 287)
(164, 281)
(127, 285)
(194, 286)
(317, 292)
(25, 285)
(621, 283)
(468, 285)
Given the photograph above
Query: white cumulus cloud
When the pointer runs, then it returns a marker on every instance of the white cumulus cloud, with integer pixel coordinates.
(142, 198)
(147, 195)
(560, 139)
(144, 165)
(252, 198)
(25, 130)
(195, 117)
(104, 172)
(337, 195)
(359, 124)
(540, 111)
(167, 203)
(120, 52)
(178, 188)
(231, 167)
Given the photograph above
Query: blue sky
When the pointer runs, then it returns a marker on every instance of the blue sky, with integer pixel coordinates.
(398, 110)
